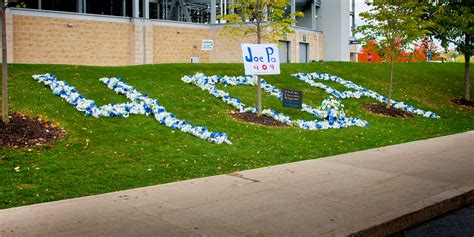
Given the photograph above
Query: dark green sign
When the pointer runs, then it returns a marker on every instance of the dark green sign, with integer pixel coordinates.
(292, 99)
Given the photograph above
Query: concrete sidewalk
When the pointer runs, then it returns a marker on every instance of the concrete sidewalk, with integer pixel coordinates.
(373, 192)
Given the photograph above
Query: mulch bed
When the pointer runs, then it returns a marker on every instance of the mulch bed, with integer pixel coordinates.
(462, 101)
(25, 131)
(254, 118)
(381, 109)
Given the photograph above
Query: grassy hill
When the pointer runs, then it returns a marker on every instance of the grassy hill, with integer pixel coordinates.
(110, 154)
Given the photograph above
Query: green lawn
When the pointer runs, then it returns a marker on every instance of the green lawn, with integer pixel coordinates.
(110, 154)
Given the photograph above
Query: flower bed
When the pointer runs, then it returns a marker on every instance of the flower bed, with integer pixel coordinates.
(311, 78)
(330, 111)
(140, 104)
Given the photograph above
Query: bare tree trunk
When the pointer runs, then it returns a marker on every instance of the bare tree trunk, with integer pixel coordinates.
(390, 83)
(5, 118)
(259, 41)
(467, 59)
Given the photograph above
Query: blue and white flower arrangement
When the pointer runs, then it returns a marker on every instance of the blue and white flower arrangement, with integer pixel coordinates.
(311, 78)
(140, 104)
(331, 111)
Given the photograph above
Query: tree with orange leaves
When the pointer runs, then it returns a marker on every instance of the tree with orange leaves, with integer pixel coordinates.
(394, 25)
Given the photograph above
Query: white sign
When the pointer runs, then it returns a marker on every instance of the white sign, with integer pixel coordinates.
(207, 45)
(261, 59)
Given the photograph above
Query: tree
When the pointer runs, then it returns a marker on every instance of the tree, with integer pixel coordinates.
(453, 23)
(266, 19)
(453, 54)
(395, 25)
(368, 53)
(5, 118)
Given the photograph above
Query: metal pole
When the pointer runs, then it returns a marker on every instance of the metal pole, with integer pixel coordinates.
(144, 16)
(146, 9)
(135, 9)
(293, 10)
(353, 18)
(79, 6)
(165, 7)
(221, 9)
(124, 7)
(213, 12)
(313, 15)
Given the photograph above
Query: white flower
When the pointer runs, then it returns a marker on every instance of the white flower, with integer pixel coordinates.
(208, 83)
(140, 104)
(360, 91)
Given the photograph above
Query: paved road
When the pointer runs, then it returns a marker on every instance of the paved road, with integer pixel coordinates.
(333, 196)
(458, 223)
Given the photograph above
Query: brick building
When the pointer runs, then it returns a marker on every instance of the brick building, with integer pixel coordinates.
(133, 32)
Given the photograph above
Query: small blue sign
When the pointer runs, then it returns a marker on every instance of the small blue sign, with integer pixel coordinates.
(292, 99)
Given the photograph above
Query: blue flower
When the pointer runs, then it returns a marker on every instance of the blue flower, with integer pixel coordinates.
(139, 100)
(309, 78)
(208, 83)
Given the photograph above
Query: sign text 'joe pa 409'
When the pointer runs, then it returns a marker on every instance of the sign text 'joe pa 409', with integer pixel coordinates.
(261, 59)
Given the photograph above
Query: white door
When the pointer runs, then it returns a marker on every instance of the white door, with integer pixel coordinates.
(284, 53)
(303, 50)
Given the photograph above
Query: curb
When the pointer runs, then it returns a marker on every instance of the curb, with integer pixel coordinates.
(424, 210)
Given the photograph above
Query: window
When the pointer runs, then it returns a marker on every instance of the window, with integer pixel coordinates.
(27, 3)
(59, 5)
(109, 7)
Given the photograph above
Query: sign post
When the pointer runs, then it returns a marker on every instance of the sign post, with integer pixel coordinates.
(260, 59)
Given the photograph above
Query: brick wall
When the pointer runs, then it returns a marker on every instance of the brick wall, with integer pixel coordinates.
(227, 47)
(50, 40)
(178, 44)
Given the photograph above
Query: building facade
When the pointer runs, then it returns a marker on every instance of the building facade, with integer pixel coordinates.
(134, 32)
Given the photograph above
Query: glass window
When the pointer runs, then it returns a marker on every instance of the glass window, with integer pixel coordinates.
(59, 5)
(33, 4)
(109, 7)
